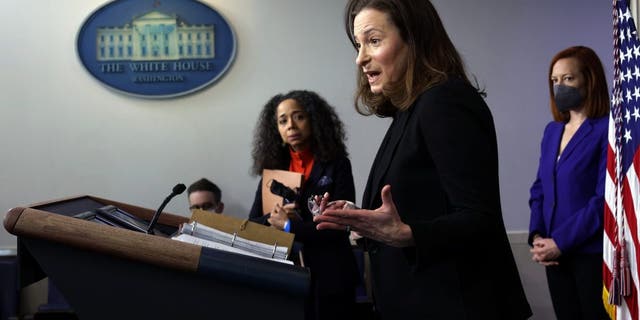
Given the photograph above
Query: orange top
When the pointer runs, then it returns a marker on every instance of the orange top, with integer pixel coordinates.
(301, 162)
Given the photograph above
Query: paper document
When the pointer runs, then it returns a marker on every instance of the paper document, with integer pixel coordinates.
(218, 246)
(238, 244)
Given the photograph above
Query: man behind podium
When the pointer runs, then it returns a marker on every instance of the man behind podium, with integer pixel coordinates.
(205, 195)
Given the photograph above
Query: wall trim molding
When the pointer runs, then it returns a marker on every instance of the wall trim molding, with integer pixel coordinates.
(518, 237)
(8, 251)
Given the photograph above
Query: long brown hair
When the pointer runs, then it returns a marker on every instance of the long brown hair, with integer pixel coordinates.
(432, 57)
(596, 101)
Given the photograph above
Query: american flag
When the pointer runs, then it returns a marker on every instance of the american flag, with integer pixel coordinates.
(622, 193)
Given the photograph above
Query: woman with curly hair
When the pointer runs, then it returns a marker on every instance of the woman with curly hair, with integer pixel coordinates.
(300, 132)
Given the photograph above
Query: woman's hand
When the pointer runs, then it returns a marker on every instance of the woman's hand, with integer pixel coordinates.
(382, 224)
(280, 214)
(317, 204)
(545, 251)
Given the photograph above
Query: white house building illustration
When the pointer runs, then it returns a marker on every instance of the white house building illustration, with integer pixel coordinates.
(155, 36)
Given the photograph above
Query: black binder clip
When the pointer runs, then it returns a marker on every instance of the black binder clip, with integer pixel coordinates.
(275, 246)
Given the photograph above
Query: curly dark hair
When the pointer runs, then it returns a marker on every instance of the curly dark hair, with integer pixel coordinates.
(327, 132)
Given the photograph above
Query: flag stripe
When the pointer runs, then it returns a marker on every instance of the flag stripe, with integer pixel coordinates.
(631, 230)
(622, 186)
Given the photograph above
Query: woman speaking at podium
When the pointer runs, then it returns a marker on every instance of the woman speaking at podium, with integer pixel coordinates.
(438, 246)
(300, 132)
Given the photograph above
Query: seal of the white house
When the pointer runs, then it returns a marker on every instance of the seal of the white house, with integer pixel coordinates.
(156, 48)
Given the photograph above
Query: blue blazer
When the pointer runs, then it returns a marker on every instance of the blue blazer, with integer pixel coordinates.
(567, 197)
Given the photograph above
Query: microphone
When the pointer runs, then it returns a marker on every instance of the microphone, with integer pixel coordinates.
(177, 189)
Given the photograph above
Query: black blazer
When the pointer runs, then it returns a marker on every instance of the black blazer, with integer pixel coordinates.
(440, 158)
(327, 253)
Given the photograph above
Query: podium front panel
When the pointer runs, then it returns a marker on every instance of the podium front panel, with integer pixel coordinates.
(106, 272)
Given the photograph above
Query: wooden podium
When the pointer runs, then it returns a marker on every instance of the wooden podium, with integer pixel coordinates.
(106, 272)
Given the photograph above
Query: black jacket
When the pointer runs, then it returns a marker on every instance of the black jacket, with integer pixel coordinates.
(440, 158)
(327, 253)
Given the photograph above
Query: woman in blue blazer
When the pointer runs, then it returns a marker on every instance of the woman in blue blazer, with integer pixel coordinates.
(567, 197)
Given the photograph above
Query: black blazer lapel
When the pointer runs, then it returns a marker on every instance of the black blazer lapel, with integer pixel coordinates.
(366, 196)
(315, 174)
(385, 155)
